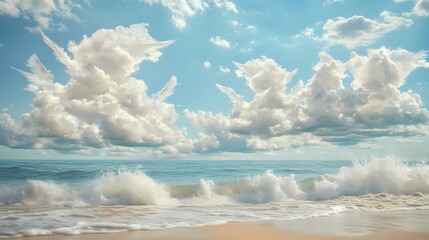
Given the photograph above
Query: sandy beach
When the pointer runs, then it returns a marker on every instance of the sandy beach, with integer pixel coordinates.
(229, 231)
(400, 225)
(214, 120)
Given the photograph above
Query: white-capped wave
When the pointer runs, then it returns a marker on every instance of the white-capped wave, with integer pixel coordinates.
(267, 188)
(113, 188)
(382, 175)
(125, 188)
(204, 188)
(36, 192)
(380, 184)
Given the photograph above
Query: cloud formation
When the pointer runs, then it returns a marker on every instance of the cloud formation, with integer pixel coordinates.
(321, 111)
(102, 105)
(421, 8)
(361, 31)
(228, 5)
(182, 9)
(42, 12)
(251, 28)
(223, 69)
(220, 42)
(207, 65)
(356, 31)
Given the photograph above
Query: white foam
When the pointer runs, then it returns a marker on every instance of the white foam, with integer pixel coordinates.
(36, 192)
(268, 188)
(389, 183)
(126, 188)
(205, 188)
(121, 188)
(382, 175)
(36, 232)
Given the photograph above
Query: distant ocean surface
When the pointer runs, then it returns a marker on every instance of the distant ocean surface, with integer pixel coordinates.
(74, 197)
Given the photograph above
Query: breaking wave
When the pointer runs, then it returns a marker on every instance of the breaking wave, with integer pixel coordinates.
(386, 175)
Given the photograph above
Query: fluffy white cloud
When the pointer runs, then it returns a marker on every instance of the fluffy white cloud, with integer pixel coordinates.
(41, 11)
(182, 9)
(223, 69)
(101, 105)
(251, 28)
(216, 127)
(322, 110)
(421, 8)
(360, 31)
(207, 65)
(220, 42)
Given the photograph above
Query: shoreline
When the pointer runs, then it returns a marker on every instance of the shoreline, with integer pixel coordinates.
(230, 231)
(383, 225)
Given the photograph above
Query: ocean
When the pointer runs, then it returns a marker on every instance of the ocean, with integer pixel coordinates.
(75, 197)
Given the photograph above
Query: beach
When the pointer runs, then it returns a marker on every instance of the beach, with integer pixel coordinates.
(233, 231)
(214, 119)
(410, 225)
(208, 199)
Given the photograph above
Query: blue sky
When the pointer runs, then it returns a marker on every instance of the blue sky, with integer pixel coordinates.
(214, 79)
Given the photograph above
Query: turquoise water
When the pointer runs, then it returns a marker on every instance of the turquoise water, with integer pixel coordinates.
(75, 197)
(165, 171)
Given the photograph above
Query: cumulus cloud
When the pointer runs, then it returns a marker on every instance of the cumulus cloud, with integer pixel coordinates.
(322, 110)
(42, 12)
(101, 105)
(207, 65)
(216, 126)
(360, 31)
(220, 42)
(182, 9)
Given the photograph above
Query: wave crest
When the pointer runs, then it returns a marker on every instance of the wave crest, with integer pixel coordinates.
(120, 188)
(382, 175)
(268, 188)
(385, 175)
(125, 188)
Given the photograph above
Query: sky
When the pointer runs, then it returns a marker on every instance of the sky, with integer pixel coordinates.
(214, 79)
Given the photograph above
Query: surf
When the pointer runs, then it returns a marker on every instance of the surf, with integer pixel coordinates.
(135, 187)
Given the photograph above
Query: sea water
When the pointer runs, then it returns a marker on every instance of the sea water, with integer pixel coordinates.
(75, 197)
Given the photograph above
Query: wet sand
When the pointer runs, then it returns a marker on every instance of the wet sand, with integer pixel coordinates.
(384, 225)
(230, 231)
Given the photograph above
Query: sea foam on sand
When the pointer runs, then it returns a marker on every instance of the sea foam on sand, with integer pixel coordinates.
(235, 231)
